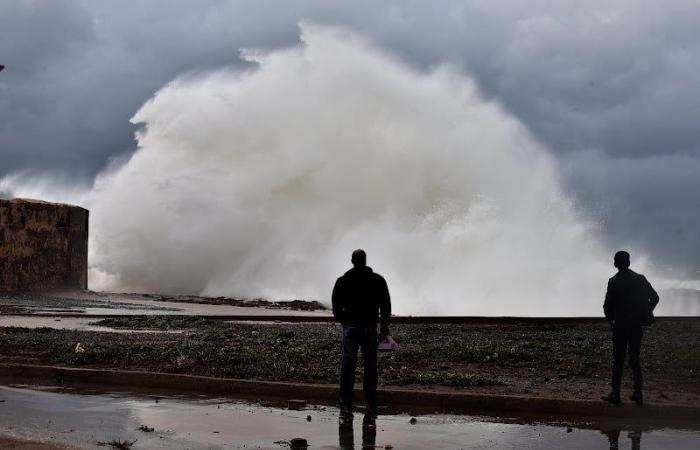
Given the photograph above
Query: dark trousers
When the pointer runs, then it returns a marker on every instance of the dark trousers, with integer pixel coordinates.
(346, 435)
(357, 337)
(627, 341)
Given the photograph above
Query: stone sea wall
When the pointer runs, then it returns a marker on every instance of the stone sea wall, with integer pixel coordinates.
(43, 246)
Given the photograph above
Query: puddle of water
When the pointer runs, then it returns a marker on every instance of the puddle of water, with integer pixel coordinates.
(84, 420)
(67, 323)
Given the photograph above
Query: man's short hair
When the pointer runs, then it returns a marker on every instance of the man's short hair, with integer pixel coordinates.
(359, 258)
(622, 259)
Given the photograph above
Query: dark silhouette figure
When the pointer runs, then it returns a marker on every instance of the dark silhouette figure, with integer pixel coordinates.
(360, 296)
(629, 303)
(346, 436)
(614, 438)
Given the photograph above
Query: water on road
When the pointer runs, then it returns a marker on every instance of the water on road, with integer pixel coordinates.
(92, 420)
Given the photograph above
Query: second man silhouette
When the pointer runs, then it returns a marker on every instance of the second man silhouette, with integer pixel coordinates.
(629, 303)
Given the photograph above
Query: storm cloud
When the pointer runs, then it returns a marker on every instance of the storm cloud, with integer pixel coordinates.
(608, 86)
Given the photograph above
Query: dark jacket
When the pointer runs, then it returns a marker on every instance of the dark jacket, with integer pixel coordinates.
(630, 299)
(360, 296)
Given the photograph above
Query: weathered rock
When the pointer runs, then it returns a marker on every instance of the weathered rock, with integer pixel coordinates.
(43, 246)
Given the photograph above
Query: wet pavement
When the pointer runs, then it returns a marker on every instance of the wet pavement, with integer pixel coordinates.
(73, 310)
(89, 420)
(86, 324)
(79, 304)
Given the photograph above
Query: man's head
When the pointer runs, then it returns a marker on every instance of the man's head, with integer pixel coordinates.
(622, 260)
(359, 258)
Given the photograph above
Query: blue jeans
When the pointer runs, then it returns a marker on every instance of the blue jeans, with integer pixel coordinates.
(357, 337)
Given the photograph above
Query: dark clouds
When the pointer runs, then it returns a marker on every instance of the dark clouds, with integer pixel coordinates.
(609, 86)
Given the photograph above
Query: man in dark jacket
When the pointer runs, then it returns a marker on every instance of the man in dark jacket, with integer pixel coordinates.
(359, 298)
(629, 302)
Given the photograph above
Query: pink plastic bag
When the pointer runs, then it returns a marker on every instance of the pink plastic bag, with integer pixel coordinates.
(387, 344)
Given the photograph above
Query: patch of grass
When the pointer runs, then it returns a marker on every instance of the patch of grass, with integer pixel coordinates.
(154, 322)
(440, 355)
(447, 378)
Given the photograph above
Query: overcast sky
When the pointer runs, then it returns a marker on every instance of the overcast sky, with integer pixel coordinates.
(610, 87)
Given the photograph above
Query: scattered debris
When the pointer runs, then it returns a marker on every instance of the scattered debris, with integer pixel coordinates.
(146, 429)
(294, 444)
(79, 348)
(118, 444)
(298, 444)
(296, 405)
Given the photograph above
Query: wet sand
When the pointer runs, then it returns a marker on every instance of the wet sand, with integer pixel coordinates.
(96, 304)
(63, 323)
(87, 303)
(85, 420)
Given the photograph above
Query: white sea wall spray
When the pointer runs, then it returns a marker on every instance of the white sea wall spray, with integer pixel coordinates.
(261, 183)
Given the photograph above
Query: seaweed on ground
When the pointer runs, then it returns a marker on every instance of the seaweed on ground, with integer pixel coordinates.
(571, 360)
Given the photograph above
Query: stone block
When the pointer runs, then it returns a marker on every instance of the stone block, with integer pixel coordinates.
(43, 246)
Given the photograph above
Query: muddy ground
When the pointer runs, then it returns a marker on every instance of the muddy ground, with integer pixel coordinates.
(77, 302)
(11, 443)
(555, 360)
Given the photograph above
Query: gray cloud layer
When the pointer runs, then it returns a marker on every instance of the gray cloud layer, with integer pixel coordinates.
(609, 86)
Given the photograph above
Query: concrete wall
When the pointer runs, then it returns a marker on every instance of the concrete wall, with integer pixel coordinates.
(43, 246)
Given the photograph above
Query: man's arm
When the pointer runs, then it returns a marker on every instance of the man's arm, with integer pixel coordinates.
(608, 303)
(337, 300)
(651, 294)
(384, 307)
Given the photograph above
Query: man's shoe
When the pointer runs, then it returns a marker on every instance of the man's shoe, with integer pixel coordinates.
(637, 398)
(612, 398)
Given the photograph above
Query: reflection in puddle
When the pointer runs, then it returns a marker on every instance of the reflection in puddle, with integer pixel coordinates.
(83, 420)
(614, 438)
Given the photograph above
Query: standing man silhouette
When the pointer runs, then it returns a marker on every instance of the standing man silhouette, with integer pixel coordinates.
(360, 296)
(629, 302)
